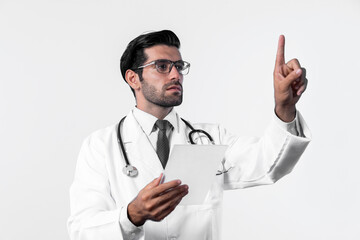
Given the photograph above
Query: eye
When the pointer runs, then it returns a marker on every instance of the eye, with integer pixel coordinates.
(179, 66)
(162, 66)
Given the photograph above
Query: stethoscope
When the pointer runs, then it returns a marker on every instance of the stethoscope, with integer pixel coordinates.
(132, 171)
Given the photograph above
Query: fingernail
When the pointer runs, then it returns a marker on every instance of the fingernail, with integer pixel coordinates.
(298, 71)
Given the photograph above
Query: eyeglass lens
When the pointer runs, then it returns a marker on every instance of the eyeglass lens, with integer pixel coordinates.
(165, 66)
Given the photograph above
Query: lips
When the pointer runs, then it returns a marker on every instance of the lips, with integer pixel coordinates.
(175, 88)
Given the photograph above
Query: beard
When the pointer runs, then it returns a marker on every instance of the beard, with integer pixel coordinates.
(162, 98)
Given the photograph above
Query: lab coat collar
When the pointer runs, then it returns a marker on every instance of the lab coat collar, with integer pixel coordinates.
(138, 147)
(147, 121)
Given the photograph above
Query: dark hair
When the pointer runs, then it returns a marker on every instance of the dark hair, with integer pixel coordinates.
(134, 55)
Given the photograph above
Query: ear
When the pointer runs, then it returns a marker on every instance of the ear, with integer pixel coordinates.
(132, 78)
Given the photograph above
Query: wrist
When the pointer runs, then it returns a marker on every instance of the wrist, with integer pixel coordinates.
(286, 114)
(133, 215)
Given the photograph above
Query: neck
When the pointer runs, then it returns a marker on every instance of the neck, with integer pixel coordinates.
(157, 111)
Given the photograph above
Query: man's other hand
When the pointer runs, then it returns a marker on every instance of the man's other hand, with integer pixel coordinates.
(155, 201)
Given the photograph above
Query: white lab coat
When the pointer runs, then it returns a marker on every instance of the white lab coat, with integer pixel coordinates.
(100, 192)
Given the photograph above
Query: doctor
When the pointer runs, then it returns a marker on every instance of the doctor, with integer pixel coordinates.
(108, 204)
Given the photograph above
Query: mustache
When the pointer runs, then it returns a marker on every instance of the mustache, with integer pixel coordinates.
(173, 83)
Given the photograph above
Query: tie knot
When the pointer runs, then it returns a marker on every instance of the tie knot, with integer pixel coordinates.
(162, 124)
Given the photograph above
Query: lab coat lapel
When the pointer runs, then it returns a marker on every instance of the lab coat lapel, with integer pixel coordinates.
(179, 136)
(140, 151)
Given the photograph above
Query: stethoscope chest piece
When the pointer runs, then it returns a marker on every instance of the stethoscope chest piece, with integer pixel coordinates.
(130, 171)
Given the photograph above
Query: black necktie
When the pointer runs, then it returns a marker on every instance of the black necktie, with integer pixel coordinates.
(162, 145)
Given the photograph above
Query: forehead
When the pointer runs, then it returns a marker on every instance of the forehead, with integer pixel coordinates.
(162, 52)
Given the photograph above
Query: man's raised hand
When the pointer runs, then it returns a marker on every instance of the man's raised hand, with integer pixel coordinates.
(289, 83)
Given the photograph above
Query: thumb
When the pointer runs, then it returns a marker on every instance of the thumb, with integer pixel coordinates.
(291, 77)
(154, 182)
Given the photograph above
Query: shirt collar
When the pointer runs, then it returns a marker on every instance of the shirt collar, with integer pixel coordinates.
(147, 121)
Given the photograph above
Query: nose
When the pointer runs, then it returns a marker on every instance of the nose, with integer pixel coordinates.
(174, 74)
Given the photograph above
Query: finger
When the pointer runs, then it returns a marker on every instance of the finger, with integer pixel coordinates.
(305, 82)
(166, 208)
(293, 64)
(160, 203)
(300, 81)
(303, 74)
(280, 58)
(162, 188)
(154, 182)
(172, 198)
(302, 88)
(297, 84)
(164, 199)
(171, 194)
(289, 79)
(161, 214)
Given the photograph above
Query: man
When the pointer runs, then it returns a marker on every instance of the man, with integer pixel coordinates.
(108, 204)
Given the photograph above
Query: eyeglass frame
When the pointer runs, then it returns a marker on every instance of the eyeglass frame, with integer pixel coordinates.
(171, 66)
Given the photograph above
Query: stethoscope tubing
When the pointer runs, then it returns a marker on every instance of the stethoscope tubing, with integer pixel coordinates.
(120, 142)
(131, 170)
(193, 130)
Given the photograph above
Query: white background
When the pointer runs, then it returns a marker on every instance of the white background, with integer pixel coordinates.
(60, 80)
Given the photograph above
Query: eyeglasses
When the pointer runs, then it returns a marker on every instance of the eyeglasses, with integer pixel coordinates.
(165, 66)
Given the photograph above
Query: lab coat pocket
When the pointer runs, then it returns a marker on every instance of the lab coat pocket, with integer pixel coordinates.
(192, 222)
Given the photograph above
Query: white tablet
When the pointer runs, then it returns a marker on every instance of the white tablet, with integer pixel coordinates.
(196, 166)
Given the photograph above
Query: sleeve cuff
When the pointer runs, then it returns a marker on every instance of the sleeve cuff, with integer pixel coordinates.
(291, 127)
(129, 230)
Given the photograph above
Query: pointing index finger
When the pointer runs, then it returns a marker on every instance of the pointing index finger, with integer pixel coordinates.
(280, 59)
